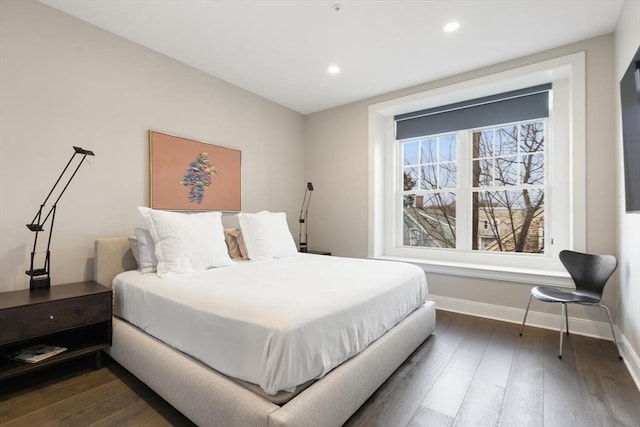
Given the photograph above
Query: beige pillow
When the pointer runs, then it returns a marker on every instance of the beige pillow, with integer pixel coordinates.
(235, 243)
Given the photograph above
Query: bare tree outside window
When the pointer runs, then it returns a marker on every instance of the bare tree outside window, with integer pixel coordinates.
(429, 205)
(507, 189)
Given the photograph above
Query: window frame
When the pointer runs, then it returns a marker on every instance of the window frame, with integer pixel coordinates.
(568, 77)
(464, 186)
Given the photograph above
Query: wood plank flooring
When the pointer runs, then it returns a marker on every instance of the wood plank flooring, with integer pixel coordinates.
(479, 372)
(471, 372)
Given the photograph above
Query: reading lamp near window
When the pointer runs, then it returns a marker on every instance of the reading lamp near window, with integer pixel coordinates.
(303, 216)
(40, 277)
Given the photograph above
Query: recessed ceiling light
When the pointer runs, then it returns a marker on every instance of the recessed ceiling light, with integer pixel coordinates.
(334, 69)
(451, 26)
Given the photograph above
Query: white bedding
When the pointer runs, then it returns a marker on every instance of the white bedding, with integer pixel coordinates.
(274, 323)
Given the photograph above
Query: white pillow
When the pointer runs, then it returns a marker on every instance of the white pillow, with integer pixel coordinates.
(186, 242)
(147, 261)
(133, 245)
(266, 235)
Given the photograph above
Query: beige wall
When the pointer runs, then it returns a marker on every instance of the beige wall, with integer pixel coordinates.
(627, 41)
(63, 83)
(336, 159)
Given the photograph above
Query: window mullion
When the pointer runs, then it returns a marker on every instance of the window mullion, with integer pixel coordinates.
(463, 193)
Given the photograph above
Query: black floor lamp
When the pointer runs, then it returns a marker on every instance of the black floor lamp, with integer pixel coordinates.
(303, 216)
(40, 277)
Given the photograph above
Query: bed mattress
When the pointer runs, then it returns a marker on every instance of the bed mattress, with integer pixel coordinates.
(274, 323)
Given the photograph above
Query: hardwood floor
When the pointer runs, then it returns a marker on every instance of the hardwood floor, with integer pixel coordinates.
(471, 372)
(480, 372)
(74, 394)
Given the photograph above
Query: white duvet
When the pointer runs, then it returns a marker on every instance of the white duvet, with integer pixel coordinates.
(275, 323)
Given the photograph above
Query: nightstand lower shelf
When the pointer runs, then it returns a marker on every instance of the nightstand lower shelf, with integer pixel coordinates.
(79, 343)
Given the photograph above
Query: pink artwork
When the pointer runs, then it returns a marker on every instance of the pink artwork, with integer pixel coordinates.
(189, 175)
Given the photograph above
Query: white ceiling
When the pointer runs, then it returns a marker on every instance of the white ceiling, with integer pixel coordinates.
(281, 49)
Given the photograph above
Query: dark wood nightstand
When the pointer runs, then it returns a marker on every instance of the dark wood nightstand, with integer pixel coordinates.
(319, 252)
(76, 316)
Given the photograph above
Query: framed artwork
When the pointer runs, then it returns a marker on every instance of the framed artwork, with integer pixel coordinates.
(188, 175)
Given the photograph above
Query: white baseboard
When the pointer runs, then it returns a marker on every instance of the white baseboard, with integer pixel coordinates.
(514, 315)
(629, 356)
(547, 321)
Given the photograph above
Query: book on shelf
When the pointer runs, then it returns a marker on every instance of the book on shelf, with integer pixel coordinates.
(36, 353)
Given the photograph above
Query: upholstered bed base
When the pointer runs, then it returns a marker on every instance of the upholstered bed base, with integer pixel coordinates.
(209, 398)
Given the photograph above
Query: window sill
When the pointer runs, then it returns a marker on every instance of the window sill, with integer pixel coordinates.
(507, 274)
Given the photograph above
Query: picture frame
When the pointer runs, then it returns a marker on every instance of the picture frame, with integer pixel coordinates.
(189, 175)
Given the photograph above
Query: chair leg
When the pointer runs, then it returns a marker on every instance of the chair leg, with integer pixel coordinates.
(562, 315)
(615, 342)
(566, 316)
(525, 315)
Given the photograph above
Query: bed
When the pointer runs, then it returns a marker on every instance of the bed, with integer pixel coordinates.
(209, 397)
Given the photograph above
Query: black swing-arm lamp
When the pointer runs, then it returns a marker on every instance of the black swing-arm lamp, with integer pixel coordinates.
(40, 277)
(303, 216)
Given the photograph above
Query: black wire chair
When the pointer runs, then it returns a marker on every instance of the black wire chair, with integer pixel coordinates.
(590, 274)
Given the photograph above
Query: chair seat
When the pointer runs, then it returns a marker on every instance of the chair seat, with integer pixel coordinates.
(551, 294)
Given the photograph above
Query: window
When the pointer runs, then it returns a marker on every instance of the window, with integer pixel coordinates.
(461, 189)
(428, 195)
(506, 189)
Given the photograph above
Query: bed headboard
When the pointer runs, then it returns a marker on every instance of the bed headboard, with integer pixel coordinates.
(112, 256)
